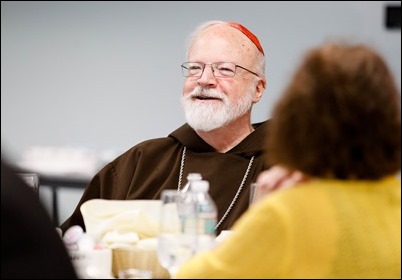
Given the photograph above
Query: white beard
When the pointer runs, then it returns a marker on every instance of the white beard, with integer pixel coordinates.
(214, 114)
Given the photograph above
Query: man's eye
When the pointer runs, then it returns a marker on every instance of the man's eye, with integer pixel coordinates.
(194, 68)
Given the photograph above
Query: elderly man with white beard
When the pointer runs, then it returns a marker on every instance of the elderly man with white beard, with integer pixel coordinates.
(224, 78)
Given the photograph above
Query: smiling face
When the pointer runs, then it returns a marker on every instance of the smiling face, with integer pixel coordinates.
(211, 102)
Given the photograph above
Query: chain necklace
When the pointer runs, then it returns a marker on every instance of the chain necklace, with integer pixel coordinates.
(183, 157)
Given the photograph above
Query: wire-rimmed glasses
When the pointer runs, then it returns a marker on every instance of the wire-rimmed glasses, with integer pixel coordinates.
(219, 69)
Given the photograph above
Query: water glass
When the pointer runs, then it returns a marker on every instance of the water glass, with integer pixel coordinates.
(31, 179)
(176, 244)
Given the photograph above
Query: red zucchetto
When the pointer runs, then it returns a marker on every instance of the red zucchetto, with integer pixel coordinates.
(248, 33)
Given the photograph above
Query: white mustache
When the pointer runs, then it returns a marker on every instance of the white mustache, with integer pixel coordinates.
(206, 93)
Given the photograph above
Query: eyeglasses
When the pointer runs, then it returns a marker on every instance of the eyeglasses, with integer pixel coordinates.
(219, 69)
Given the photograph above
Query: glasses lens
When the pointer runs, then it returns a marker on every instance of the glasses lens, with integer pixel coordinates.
(192, 69)
(225, 69)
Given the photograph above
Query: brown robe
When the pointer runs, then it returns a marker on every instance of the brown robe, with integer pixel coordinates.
(146, 169)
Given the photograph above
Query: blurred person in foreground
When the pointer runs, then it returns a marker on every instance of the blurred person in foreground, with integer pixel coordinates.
(224, 78)
(338, 127)
(30, 245)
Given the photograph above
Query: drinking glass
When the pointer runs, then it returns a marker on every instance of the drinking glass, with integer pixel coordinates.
(31, 179)
(176, 240)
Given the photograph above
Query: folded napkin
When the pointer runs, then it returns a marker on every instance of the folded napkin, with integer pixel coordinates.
(121, 223)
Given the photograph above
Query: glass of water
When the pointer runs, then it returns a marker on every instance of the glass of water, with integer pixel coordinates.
(31, 179)
(176, 244)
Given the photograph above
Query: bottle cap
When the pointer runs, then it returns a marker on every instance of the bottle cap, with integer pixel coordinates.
(194, 176)
(200, 186)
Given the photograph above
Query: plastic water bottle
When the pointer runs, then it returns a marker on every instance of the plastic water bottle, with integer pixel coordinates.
(187, 206)
(191, 177)
(206, 215)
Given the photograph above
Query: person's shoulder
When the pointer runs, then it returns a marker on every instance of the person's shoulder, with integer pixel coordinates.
(149, 146)
(262, 127)
(11, 185)
(41, 251)
(262, 124)
(160, 142)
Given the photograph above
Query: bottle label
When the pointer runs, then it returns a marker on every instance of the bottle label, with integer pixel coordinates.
(209, 226)
(206, 224)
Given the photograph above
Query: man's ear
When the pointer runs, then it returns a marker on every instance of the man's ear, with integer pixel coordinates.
(260, 87)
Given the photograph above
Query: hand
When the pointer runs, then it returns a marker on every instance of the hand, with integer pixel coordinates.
(277, 177)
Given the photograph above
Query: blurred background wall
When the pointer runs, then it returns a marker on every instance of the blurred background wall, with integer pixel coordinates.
(103, 75)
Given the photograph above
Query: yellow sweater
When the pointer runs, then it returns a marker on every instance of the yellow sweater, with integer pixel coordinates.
(319, 229)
